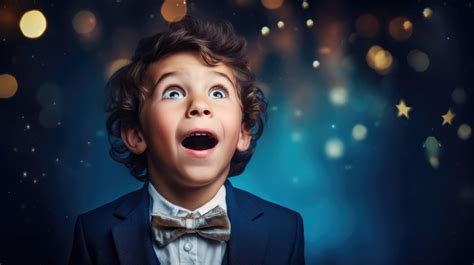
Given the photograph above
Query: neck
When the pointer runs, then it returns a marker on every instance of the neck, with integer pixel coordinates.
(186, 196)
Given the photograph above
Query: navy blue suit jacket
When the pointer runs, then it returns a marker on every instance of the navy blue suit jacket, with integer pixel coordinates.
(119, 232)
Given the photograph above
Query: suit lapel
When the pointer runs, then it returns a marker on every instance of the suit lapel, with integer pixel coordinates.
(248, 238)
(132, 236)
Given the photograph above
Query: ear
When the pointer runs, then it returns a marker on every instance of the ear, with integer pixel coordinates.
(244, 138)
(133, 139)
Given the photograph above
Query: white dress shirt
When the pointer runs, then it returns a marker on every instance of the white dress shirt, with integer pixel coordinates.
(189, 248)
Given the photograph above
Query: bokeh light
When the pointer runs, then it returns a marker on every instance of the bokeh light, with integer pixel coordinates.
(334, 148)
(400, 28)
(8, 86)
(33, 24)
(265, 31)
(84, 22)
(418, 60)
(173, 10)
(367, 25)
(309, 23)
(359, 132)
(379, 59)
(338, 96)
(427, 12)
(272, 4)
(305, 4)
(316, 64)
(464, 131)
(114, 66)
(281, 24)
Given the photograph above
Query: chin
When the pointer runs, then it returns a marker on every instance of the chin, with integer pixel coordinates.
(200, 177)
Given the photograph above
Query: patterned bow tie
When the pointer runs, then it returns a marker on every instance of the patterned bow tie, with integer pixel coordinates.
(212, 225)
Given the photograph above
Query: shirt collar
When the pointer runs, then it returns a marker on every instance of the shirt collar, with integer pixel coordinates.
(159, 204)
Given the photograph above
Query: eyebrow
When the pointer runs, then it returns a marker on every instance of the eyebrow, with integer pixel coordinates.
(165, 75)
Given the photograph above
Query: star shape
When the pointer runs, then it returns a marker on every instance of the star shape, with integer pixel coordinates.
(448, 117)
(403, 109)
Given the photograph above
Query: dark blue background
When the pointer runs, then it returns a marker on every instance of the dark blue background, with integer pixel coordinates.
(381, 202)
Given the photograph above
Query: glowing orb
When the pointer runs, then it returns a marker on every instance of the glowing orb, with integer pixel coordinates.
(309, 23)
(265, 31)
(173, 10)
(84, 22)
(281, 24)
(33, 24)
(464, 131)
(316, 64)
(334, 148)
(400, 28)
(427, 12)
(418, 60)
(338, 96)
(8, 86)
(305, 5)
(272, 4)
(359, 132)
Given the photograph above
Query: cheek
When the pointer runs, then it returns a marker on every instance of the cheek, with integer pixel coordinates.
(162, 128)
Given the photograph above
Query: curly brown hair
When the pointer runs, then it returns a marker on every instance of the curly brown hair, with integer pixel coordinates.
(216, 42)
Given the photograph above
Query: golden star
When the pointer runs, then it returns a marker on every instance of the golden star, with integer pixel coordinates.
(403, 109)
(448, 117)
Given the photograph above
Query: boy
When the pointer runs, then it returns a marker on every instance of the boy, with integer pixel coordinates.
(185, 116)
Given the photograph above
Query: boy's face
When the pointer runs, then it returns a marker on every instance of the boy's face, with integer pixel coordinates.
(190, 96)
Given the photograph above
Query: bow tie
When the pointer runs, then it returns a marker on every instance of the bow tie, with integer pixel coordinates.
(212, 225)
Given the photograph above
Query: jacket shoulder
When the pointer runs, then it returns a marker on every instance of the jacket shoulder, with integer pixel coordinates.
(266, 205)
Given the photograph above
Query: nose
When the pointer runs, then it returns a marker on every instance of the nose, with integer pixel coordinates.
(199, 108)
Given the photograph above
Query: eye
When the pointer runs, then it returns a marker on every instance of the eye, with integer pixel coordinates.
(173, 93)
(218, 92)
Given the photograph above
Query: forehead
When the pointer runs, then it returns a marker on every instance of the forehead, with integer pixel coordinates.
(188, 64)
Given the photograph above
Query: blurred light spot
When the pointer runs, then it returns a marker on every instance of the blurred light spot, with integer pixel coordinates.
(464, 131)
(316, 64)
(325, 50)
(432, 146)
(296, 137)
(434, 161)
(49, 117)
(400, 28)
(272, 4)
(333, 126)
(427, 12)
(84, 22)
(281, 24)
(27, 127)
(379, 59)
(274, 108)
(173, 10)
(49, 95)
(367, 25)
(418, 60)
(338, 96)
(334, 148)
(309, 23)
(295, 179)
(33, 149)
(8, 86)
(265, 31)
(25, 173)
(305, 4)
(459, 95)
(359, 132)
(115, 65)
(298, 113)
(33, 24)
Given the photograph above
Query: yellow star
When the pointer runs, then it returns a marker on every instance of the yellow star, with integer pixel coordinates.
(403, 109)
(448, 117)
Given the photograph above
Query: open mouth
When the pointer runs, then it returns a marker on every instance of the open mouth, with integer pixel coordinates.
(199, 141)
